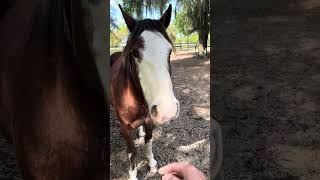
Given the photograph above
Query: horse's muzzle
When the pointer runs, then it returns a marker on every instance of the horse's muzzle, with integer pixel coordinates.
(164, 115)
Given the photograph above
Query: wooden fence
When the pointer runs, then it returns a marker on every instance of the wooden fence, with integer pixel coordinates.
(177, 48)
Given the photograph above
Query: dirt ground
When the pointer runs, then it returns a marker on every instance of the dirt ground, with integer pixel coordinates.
(8, 168)
(266, 96)
(184, 140)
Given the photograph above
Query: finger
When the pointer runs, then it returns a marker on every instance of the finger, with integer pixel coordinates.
(170, 177)
(173, 167)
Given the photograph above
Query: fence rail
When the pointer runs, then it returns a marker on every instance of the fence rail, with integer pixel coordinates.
(178, 47)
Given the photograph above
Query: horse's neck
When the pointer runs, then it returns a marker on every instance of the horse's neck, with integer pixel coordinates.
(84, 58)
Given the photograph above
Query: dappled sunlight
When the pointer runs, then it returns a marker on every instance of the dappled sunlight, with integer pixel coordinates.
(310, 106)
(202, 112)
(271, 49)
(207, 62)
(310, 4)
(296, 159)
(186, 91)
(202, 76)
(278, 19)
(269, 90)
(199, 150)
(244, 93)
(309, 44)
(181, 56)
(198, 145)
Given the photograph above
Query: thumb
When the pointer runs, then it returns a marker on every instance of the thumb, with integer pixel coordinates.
(170, 177)
(173, 167)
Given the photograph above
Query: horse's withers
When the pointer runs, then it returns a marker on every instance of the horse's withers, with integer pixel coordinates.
(155, 80)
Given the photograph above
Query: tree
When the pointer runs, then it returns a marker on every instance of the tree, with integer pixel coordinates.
(136, 6)
(193, 16)
(172, 31)
(118, 35)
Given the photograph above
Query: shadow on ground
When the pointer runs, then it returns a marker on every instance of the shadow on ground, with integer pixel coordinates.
(266, 94)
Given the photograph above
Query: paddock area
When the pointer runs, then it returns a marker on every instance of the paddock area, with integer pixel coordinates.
(265, 93)
(185, 139)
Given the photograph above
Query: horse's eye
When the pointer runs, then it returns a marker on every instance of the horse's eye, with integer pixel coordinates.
(135, 53)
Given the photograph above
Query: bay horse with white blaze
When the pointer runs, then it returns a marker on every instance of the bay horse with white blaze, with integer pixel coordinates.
(141, 87)
(53, 107)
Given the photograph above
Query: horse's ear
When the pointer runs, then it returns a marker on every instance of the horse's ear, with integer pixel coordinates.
(130, 21)
(166, 17)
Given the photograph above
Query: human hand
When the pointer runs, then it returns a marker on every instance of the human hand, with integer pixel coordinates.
(178, 171)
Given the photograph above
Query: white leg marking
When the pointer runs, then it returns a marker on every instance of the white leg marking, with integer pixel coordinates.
(151, 161)
(132, 173)
(141, 132)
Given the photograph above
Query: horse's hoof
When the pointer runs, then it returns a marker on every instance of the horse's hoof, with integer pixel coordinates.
(153, 166)
(154, 169)
(133, 178)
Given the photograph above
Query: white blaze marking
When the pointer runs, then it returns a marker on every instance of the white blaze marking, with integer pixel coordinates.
(154, 74)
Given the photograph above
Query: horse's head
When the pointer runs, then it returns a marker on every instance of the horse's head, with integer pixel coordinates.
(149, 47)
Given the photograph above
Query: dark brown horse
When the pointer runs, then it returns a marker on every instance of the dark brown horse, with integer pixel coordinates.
(141, 87)
(52, 102)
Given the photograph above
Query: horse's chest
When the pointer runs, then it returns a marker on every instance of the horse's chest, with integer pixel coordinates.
(128, 98)
(127, 105)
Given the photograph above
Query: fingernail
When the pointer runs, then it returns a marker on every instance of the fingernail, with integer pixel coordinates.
(160, 171)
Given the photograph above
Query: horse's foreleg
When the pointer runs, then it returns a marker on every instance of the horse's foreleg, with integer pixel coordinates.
(148, 141)
(132, 152)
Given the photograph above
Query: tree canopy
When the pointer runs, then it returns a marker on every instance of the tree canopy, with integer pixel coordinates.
(118, 35)
(139, 7)
(191, 17)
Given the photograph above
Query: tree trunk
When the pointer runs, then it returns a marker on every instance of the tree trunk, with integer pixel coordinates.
(203, 40)
(204, 26)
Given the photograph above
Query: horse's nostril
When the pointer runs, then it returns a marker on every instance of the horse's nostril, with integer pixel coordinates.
(154, 111)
